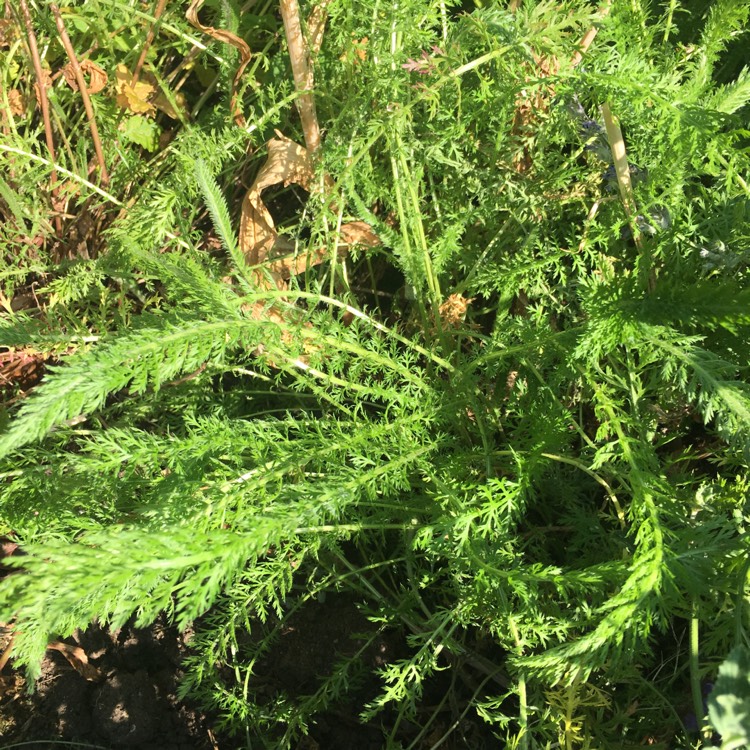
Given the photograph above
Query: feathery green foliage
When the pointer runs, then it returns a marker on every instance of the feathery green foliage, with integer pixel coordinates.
(516, 433)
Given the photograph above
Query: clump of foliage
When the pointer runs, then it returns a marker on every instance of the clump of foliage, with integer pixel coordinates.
(516, 432)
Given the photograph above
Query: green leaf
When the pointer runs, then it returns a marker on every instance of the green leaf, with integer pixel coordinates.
(729, 703)
(141, 130)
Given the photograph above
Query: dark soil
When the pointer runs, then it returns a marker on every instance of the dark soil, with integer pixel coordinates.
(118, 688)
(133, 704)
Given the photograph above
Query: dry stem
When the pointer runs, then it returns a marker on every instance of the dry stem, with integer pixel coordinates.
(149, 40)
(303, 73)
(65, 39)
(43, 101)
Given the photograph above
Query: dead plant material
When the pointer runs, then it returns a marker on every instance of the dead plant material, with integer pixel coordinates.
(528, 107)
(16, 102)
(316, 24)
(302, 70)
(8, 650)
(144, 97)
(77, 659)
(620, 159)
(83, 236)
(97, 76)
(622, 170)
(287, 163)
(8, 32)
(47, 83)
(131, 94)
(149, 38)
(589, 36)
(42, 83)
(81, 81)
(225, 37)
(356, 53)
(453, 310)
(21, 368)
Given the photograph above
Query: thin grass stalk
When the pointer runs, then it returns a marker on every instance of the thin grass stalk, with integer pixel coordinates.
(695, 678)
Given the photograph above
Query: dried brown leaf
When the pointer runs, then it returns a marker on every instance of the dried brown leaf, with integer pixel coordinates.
(358, 233)
(77, 659)
(8, 32)
(144, 95)
(226, 37)
(287, 163)
(17, 102)
(20, 368)
(97, 76)
(46, 82)
(453, 310)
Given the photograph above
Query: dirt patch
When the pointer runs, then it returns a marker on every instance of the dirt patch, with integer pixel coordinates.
(133, 704)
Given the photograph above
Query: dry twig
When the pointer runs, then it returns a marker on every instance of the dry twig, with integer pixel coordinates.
(70, 52)
(43, 101)
(149, 40)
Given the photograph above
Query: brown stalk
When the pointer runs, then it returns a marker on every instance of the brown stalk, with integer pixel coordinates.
(316, 24)
(7, 652)
(43, 101)
(589, 36)
(149, 40)
(65, 39)
(302, 71)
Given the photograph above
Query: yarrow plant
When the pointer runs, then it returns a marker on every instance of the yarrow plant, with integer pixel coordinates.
(514, 429)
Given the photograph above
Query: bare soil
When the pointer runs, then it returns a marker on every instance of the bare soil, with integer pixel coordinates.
(133, 704)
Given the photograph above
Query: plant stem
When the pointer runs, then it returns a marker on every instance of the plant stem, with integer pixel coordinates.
(149, 40)
(43, 101)
(303, 73)
(695, 679)
(70, 52)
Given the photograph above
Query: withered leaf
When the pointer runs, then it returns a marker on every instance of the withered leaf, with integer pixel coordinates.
(8, 32)
(358, 233)
(226, 37)
(287, 163)
(46, 82)
(96, 74)
(133, 96)
(144, 97)
(77, 659)
(17, 102)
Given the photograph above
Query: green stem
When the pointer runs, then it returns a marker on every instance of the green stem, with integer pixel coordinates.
(740, 607)
(668, 24)
(523, 707)
(695, 679)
